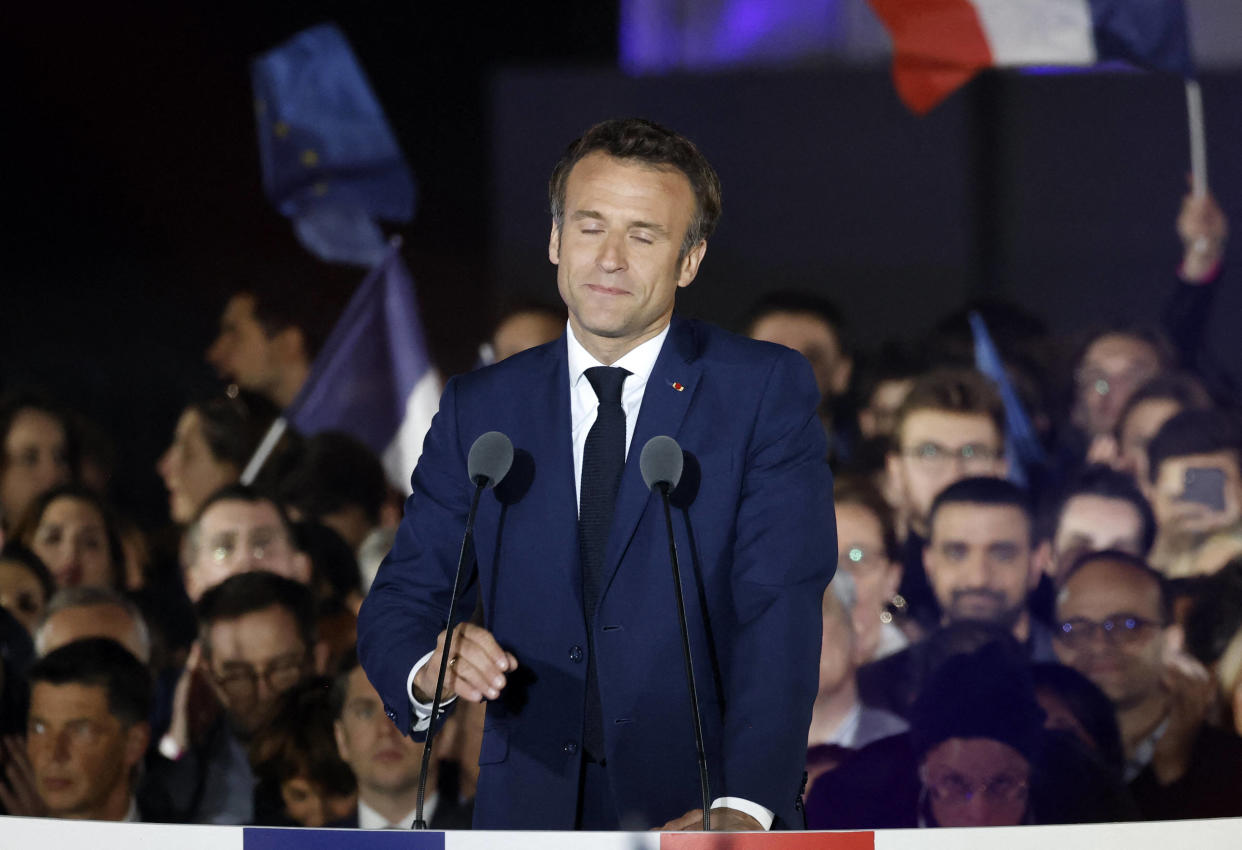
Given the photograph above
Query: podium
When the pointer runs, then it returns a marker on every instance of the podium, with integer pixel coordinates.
(46, 834)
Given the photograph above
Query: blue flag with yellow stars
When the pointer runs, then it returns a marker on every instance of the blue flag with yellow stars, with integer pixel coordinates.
(330, 162)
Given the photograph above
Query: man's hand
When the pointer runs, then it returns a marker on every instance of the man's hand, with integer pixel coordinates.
(1203, 228)
(1191, 694)
(476, 671)
(18, 792)
(723, 820)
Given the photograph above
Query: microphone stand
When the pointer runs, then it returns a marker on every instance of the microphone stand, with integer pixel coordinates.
(480, 482)
(685, 645)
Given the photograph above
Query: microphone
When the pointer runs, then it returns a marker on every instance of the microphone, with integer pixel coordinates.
(661, 464)
(489, 461)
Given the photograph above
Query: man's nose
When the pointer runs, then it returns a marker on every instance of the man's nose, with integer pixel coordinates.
(60, 747)
(612, 253)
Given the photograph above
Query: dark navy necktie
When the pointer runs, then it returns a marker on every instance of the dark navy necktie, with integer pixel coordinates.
(603, 459)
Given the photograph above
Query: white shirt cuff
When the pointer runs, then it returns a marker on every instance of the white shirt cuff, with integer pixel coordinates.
(746, 807)
(422, 710)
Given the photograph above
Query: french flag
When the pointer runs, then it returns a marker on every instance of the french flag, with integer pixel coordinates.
(374, 378)
(938, 45)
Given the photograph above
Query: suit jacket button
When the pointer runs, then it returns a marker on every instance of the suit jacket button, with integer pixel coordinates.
(575, 654)
(570, 747)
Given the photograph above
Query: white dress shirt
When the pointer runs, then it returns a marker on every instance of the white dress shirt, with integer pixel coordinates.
(368, 818)
(583, 407)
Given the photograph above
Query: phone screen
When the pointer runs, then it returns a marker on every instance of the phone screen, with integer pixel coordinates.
(1204, 485)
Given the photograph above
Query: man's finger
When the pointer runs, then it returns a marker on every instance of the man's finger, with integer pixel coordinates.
(472, 684)
(692, 819)
(486, 644)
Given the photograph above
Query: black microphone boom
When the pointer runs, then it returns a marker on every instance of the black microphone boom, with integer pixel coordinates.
(490, 458)
(661, 464)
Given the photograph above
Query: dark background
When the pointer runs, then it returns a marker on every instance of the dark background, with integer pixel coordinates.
(134, 203)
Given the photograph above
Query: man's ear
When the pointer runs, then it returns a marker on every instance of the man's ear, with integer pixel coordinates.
(840, 379)
(554, 245)
(342, 740)
(1042, 563)
(290, 344)
(137, 739)
(690, 263)
(321, 654)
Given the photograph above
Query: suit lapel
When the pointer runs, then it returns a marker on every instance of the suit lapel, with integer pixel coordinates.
(552, 447)
(670, 389)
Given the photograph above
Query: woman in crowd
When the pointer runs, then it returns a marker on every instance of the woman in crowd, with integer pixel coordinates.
(865, 550)
(74, 533)
(212, 443)
(25, 585)
(39, 453)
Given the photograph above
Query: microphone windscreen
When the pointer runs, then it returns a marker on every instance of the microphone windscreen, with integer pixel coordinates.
(490, 458)
(661, 462)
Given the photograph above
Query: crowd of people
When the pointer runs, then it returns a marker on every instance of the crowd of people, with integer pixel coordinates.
(1064, 649)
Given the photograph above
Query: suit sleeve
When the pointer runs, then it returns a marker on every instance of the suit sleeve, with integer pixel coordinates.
(406, 607)
(784, 556)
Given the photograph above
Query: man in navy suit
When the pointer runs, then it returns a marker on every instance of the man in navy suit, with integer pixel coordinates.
(578, 654)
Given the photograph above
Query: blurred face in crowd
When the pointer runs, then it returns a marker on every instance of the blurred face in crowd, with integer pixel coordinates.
(22, 594)
(879, 417)
(385, 762)
(1090, 523)
(252, 660)
(89, 621)
(861, 553)
(1111, 629)
(36, 459)
(235, 536)
(81, 754)
(618, 250)
(523, 330)
(976, 782)
(980, 562)
(1172, 494)
(814, 339)
(937, 448)
(72, 539)
(1135, 432)
(190, 472)
(1112, 368)
(243, 352)
(308, 803)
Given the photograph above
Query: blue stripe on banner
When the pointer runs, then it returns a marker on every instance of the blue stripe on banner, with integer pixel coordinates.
(1147, 33)
(261, 838)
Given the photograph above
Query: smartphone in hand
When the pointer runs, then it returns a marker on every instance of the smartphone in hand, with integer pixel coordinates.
(1204, 485)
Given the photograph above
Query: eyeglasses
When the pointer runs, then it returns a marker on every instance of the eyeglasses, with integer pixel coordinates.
(972, 456)
(1102, 382)
(858, 560)
(262, 543)
(956, 791)
(240, 681)
(1118, 630)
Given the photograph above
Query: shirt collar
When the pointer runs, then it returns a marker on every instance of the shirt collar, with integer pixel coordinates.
(368, 818)
(638, 361)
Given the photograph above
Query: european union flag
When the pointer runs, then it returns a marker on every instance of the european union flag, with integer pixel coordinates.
(330, 161)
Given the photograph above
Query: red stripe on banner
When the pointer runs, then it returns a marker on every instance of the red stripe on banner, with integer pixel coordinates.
(938, 45)
(766, 840)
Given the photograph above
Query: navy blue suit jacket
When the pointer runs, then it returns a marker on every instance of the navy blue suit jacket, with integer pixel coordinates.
(757, 548)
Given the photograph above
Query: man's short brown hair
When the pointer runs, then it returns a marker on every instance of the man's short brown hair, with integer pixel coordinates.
(961, 391)
(650, 144)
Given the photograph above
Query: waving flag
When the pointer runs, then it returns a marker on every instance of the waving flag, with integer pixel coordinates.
(330, 161)
(938, 45)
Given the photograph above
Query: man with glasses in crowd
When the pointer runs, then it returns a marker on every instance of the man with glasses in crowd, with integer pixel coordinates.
(951, 425)
(1114, 626)
(257, 640)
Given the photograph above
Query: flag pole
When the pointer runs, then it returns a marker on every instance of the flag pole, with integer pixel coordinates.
(1198, 145)
(264, 451)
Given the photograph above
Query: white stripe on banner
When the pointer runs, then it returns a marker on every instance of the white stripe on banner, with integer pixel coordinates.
(1153, 835)
(552, 840)
(406, 448)
(21, 833)
(1038, 32)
